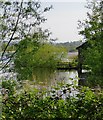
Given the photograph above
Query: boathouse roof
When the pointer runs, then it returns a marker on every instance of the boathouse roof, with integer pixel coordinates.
(83, 45)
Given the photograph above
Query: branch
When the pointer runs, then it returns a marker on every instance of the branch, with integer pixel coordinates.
(9, 59)
(13, 31)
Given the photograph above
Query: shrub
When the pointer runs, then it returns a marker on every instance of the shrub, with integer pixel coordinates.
(35, 105)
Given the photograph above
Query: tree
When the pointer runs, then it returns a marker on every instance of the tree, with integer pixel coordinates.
(92, 29)
(34, 54)
(19, 20)
(24, 56)
(48, 55)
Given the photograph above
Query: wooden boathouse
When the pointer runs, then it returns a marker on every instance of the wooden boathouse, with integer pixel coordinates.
(80, 49)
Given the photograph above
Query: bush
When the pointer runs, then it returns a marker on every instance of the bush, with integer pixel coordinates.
(35, 105)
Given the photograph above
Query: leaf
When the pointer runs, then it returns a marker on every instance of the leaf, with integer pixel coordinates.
(8, 3)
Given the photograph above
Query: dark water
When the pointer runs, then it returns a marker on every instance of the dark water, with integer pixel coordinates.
(46, 78)
(43, 78)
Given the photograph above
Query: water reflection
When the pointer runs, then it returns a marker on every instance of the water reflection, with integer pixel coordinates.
(46, 78)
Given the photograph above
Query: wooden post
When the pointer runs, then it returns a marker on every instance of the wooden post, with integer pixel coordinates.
(79, 61)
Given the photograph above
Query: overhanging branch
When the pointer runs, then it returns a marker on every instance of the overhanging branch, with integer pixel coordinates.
(13, 31)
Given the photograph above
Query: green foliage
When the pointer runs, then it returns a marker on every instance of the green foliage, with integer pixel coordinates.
(32, 54)
(10, 48)
(70, 46)
(93, 34)
(49, 55)
(15, 16)
(9, 85)
(92, 59)
(25, 56)
(20, 20)
(34, 104)
(74, 62)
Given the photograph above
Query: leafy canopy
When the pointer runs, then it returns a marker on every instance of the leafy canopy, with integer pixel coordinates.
(92, 30)
(19, 20)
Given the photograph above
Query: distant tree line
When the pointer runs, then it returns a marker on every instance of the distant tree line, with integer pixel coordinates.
(70, 46)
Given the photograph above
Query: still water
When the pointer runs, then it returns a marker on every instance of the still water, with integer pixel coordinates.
(47, 78)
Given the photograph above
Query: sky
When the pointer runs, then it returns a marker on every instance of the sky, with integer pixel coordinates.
(62, 20)
(63, 0)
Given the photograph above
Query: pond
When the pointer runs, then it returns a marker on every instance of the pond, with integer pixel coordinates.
(47, 78)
